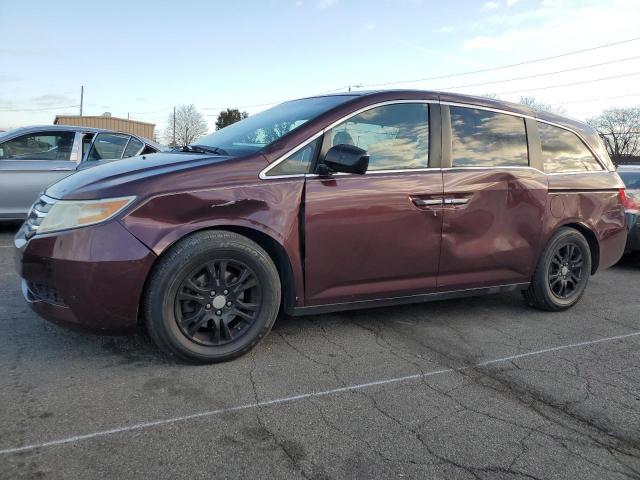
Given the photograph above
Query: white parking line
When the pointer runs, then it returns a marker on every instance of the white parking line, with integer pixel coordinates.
(278, 401)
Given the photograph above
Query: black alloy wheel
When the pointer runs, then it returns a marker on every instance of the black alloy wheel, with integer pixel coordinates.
(211, 297)
(562, 272)
(218, 302)
(566, 270)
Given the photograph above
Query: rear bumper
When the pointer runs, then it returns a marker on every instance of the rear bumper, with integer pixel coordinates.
(89, 279)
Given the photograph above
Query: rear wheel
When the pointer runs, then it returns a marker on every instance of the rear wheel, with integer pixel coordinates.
(562, 272)
(212, 297)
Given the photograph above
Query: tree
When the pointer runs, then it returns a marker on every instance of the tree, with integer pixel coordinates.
(541, 106)
(229, 116)
(620, 129)
(189, 126)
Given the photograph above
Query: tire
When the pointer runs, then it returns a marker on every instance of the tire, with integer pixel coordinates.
(212, 297)
(565, 261)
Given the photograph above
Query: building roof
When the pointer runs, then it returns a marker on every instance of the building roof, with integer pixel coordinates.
(102, 117)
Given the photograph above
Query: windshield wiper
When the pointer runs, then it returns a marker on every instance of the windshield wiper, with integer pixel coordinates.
(205, 149)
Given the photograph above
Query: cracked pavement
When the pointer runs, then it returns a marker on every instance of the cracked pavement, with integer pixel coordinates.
(572, 413)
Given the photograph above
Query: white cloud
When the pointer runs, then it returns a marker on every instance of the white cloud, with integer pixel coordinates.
(298, 3)
(511, 3)
(326, 3)
(556, 26)
(51, 99)
(446, 29)
(490, 6)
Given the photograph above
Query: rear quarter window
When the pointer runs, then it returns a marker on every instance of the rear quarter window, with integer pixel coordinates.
(564, 152)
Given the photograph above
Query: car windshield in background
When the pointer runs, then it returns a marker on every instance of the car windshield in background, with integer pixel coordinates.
(631, 179)
(258, 131)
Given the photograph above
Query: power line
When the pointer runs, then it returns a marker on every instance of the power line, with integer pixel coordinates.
(155, 111)
(599, 98)
(36, 109)
(582, 82)
(542, 74)
(500, 67)
(452, 75)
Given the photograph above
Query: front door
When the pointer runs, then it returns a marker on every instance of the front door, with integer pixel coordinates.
(375, 235)
(494, 201)
(28, 164)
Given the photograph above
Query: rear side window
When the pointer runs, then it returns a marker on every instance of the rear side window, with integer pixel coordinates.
(133, 147)
(563, 151)
(108, 146)
(396, 137)
(480, 138)
(86, 143)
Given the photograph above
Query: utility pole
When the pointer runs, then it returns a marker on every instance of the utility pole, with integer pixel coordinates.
(174, 126)
(81, 98)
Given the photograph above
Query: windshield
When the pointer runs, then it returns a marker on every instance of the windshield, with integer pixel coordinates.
(257, 131)
(631, 179)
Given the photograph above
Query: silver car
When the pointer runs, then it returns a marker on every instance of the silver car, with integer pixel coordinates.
(31, 158)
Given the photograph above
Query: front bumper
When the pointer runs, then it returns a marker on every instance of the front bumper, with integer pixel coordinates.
(89, 278)
(633, 232)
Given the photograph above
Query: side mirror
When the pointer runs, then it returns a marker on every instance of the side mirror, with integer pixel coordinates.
(346, 158)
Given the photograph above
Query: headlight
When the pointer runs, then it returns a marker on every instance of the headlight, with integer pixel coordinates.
(65, 214)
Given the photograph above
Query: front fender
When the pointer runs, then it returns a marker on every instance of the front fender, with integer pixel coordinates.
(271, 208)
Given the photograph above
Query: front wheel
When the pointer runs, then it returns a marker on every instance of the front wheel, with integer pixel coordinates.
(562, 272)
(212, 297)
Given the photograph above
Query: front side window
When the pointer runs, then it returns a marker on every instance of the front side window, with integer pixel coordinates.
(297, 163)
(108, 146)
(563, 151)
(480, 138)
(396, 137)
(38, 146)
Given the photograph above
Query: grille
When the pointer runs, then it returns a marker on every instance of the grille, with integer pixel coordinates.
(45, 293)
(36, 215)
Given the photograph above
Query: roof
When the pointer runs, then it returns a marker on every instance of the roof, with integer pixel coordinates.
(102, 117)
(54, 128)
(471, 99)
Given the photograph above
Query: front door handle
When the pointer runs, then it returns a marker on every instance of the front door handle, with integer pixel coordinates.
(424, 202)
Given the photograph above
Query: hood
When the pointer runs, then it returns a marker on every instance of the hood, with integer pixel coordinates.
(118, 177)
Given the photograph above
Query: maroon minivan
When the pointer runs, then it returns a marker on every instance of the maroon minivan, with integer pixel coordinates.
(324, 204)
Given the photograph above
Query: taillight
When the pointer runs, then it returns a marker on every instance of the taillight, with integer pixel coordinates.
(622, 196)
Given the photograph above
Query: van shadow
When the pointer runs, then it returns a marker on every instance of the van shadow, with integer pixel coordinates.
(138, 350)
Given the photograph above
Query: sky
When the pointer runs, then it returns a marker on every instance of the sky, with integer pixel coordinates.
(141, 58)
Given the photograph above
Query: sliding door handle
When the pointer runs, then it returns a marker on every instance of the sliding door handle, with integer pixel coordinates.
(456, 201)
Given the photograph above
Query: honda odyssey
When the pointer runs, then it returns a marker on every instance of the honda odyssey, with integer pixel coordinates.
(325, 204)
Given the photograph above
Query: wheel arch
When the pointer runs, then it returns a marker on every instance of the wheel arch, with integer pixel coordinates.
(274, 249)
(592, 240)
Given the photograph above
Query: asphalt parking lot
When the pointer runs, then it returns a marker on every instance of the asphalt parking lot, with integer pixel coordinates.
(477, 388)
